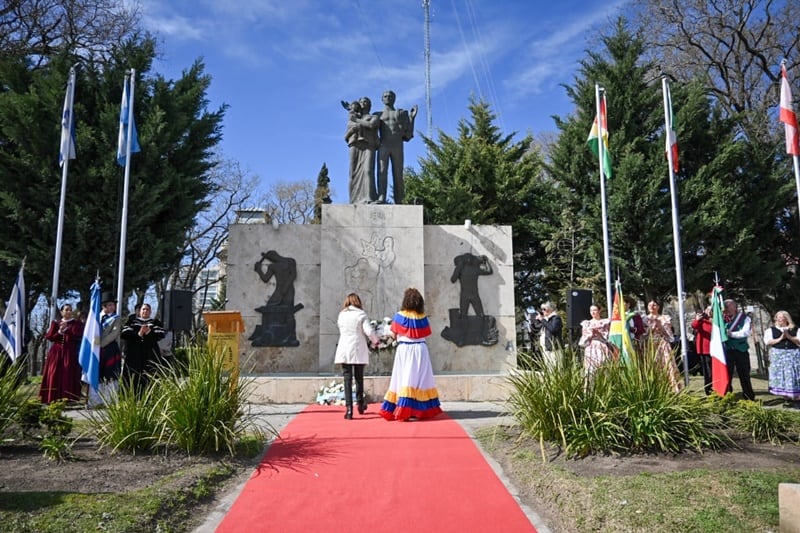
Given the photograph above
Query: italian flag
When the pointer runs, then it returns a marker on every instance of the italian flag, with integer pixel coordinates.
(672, 137)
(788, 116)
(617, 333)
(600, 131)
(719, 368)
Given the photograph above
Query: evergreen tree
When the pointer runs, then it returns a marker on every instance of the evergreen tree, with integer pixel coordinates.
(720, 231)
(168, 182)
(322, 194)
(484, 176)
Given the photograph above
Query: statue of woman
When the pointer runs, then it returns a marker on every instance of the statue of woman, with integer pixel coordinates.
(362, 138)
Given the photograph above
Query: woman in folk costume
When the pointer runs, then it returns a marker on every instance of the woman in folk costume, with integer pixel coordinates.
(659, 333)
(61, 375)
(110, 354)
(594, 340)
(352, 351)
(784, 355)
(412, 391)
(141, 334)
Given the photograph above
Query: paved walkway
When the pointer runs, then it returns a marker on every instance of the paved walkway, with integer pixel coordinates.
(471, 416)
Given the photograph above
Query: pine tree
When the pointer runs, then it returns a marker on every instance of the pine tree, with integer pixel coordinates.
(168, 183)
(720, 230)
(322, 194)
(485, 176)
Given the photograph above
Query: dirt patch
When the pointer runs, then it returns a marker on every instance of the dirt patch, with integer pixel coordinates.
(748, 455)
(25, 469)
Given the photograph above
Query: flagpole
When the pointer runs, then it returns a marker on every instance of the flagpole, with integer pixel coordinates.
(123, 234)
(598, 91)
(676, 229)
(796, 161)
(63, 199)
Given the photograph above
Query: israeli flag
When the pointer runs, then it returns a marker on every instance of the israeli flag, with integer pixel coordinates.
(67, 150)
(12, 329)
(89, 354)
(126, 115)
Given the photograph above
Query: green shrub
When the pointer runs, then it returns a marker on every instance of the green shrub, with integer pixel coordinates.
(129, 421)
(192, 404)
(204, 404)
(10, 397)
(772, 425)
(622, 408)
(48, 425)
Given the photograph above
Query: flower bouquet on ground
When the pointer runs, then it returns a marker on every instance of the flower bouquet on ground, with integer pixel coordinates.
(332, 394)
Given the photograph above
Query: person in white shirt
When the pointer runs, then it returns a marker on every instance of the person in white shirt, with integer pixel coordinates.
(352, 351)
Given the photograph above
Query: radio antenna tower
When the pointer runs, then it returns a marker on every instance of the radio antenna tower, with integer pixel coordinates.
(426, 6)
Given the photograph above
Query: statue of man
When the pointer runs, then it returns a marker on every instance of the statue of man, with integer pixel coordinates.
(396, 127)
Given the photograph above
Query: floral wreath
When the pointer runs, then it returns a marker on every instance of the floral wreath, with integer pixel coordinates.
(382, 329)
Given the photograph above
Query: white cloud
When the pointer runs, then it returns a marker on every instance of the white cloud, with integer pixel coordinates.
(549, 57)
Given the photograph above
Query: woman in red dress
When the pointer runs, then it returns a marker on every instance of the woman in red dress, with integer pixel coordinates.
(61, 375)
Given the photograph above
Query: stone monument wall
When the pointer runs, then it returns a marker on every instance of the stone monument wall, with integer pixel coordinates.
(376, 251)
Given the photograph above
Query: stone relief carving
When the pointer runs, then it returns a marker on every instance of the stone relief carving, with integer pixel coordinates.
(278, 325)
(468, 329)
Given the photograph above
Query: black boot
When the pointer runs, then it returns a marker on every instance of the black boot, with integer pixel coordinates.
(347, 371)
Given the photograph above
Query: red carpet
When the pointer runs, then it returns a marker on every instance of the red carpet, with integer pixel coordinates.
(327, 474)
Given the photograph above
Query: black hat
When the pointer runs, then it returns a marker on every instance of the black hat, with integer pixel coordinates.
(108, 297)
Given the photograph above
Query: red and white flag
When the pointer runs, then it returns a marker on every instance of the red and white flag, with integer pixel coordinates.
(719, 367)
(672, 137)
(788, 116)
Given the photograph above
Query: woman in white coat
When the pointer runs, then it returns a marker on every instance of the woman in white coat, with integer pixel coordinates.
(352, 351)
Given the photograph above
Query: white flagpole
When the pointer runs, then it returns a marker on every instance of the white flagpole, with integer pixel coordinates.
(676, 229)
(598, 92)
(62, 201)
(123, 234)
(796, 161)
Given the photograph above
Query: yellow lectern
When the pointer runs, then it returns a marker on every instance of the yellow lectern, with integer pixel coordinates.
(224, 328)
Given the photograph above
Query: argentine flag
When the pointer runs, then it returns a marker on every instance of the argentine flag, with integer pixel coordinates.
(12, 329)
(89, 355)
(125, 115)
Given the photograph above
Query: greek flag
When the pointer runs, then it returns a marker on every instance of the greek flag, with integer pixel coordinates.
(89, 354)
(125, 115)
(67, 150)
(12, 329)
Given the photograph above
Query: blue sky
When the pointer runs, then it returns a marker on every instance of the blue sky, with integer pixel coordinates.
(283, 66)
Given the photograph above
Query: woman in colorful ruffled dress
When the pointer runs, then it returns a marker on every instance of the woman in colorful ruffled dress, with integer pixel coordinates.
(659, 333)
(784, 368)
(412, 391)
(594, 341)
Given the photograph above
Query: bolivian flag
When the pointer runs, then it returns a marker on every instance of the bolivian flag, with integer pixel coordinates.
(598, 137)
(617, 333)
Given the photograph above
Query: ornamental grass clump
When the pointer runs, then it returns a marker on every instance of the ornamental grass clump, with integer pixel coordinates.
(543, 399)
(205, 405)
(130, 421)
(766, 425)
(195, 405)
(623, 407)
(11, 397)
